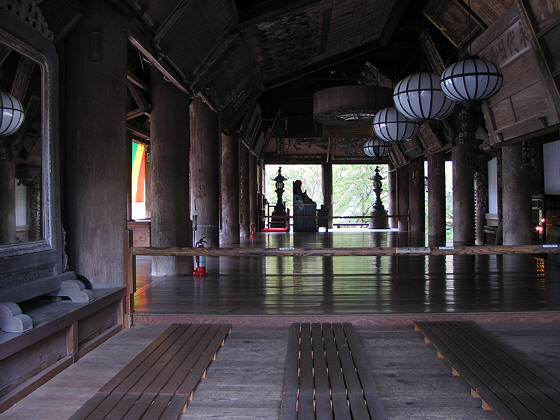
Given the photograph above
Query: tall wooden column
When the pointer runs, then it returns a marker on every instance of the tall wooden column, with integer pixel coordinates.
(417, 203)
(516, 197)
(97, 148)
(481, 191)
(244, 192)
(8, 198)
(253, 189)
(402, 194)
(436, 199)
(230, 190)
(204, 171)
(392, 185)
(169, 176)
(326, 173)
(463, 197)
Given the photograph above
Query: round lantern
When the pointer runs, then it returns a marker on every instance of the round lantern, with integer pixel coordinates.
(11, 114)
(471, 79)
(420, 98)
(377, 148)
(391, 126)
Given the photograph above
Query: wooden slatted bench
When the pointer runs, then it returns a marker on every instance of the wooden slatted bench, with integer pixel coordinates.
(158, 383)
(327, 375)
(513, 387)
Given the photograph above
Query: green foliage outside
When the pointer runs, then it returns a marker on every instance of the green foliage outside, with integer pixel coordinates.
(352, 186)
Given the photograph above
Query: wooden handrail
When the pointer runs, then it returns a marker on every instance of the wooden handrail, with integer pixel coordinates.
(341, 252)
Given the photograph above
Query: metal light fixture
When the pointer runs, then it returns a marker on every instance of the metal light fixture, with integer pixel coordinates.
(390, 125)
(471, 79)
(11, 114)
(376, 148)
(419, 97)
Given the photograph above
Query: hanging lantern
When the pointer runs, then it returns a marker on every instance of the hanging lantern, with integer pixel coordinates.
(471, 79)
(420, 98)
(377, 148)
(11, 114)
(391, 126)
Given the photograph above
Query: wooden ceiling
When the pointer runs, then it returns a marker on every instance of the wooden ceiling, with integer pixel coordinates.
(258, 62)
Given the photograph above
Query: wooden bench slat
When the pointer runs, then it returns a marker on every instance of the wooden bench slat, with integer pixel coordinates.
(306, 384)
(158, 374)
(537, 383)
(124, 405)
(500, 380)
(340, 406)
(333, 362)
(351, 379)
(202, 363)
(479, 385)
(175, 407)
(157, 382)
(139, 409)
(319, 360)
(482, 370)
(373, 401)
(517, 378)
(147, 353)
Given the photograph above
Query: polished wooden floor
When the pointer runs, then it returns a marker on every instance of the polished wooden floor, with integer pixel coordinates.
(367, 290)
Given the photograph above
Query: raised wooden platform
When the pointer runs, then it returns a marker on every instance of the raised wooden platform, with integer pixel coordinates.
(159, 382)
(508, 384)
(327, 375)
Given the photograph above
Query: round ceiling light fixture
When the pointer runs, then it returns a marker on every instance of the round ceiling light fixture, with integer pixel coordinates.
(349, 106)
(471, 79)
(377, 148)
(419, 97)
(11, 114)
(392, 126)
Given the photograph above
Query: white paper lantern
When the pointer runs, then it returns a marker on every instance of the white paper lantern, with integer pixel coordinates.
(390, 125)
(471, 79)
(419, 97)
(377, 148)
(11, 114)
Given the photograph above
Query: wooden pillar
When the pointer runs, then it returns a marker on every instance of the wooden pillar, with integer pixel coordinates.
(169, 176)
(327, 175)
(253, 188)
(392, 210)
(8, 198)
(230, 190)
(436, 199)
(463, 197)
(204, 171)
(481, 191)
(516, 197)
(244, 192)
(97, 148)
(403, 199)
(417, 203)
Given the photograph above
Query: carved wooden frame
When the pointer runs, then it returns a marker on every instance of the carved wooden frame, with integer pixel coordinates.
(18, 34)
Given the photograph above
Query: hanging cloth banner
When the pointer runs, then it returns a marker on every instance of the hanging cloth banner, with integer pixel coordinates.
(138, 172)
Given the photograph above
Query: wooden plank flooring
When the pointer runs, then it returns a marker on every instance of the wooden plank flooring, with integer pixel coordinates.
(245, 381)
(351, 286)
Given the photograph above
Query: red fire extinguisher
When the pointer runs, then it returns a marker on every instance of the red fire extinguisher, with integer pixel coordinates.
(200, 260)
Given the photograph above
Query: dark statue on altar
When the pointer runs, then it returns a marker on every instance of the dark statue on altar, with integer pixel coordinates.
(379, 218)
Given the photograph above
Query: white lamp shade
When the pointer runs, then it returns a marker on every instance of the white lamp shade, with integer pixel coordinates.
(419, 97)
(471, 79)
(11, 114)
(390, 125)
(377, 148)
